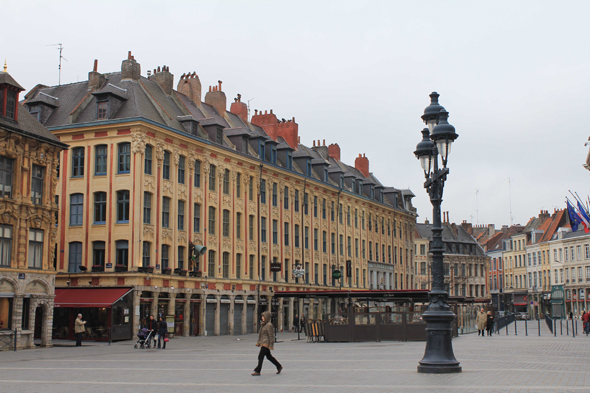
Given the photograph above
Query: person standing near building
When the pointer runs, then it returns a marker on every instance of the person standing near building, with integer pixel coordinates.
(296, 323)
(79, 330)
(490, 323)
(302, 322)
(152, 327)
(162, 331)
(266, 339)
(481, 321)
(586, 322)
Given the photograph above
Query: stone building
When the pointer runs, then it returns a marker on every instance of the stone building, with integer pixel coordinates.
(465, 263)
(28, 178)
(153, 170)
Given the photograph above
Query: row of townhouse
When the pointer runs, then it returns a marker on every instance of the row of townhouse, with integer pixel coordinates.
(465, 263)
(542, 267)
(152, 171)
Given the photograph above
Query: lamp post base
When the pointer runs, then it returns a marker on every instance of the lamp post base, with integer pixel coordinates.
(438, 356)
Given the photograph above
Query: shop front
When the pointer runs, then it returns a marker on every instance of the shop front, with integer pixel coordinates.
(108, 313)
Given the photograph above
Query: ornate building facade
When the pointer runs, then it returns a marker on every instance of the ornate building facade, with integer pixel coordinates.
(465, 263)
(28, 179)
(152, 171)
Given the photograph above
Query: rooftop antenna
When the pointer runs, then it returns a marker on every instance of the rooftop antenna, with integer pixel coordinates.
(510, 200)
(476, 208)
(61, 48)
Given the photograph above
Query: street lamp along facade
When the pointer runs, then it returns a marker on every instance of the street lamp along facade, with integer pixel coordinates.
(437, 138)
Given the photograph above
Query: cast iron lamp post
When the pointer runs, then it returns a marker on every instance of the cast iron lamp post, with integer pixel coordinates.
(437, 140)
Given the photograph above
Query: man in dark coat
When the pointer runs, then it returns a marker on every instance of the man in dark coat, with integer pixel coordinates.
(296, 323)
(152, 326)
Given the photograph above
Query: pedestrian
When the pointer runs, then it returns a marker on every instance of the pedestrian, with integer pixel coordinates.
(571, 315)
(302, 322)
(490, 323)
(586, 322)
(266, 339)
(79, 329)
(152, 327)
(162, 331)
(296, 323)
(481, 323)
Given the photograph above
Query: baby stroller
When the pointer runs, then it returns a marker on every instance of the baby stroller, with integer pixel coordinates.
(144, 339)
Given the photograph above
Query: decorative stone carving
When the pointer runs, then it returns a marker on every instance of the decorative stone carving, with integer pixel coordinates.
(149, 182)
(213, 198)
(298, 253)
(198, 197)
(36, 223)
(36, 287)
(226, 243)
(240, 204)
(182, 236)
(138, 142)
(7, 286)
(167, 233)
(167, 186)
(160, 152)
(212, 239)
(226, 200)
(198, 238)
(176, 156)
(182, 190)
(275, 213)
(206, 166)
(264, 248)
(148, 230)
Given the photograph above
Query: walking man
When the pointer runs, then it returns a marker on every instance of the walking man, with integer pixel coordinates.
(482, 320)
(152, 326)
(266, 339)
(296, 323)
(79, 330)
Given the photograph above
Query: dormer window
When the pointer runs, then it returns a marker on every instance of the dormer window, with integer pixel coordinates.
(308, 167)
(10, 104)
(261, 149)
(102, 108)
(341, 181)
(372, 192)
(35, 111)
(289, 160)
(273, 154)
(325, 175)
(352, 185)
(360, 189)
(219, 136)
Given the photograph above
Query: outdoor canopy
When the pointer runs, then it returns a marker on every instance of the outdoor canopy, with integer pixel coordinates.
(88, 297)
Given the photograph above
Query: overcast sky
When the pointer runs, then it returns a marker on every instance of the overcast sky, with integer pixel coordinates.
(513, 75)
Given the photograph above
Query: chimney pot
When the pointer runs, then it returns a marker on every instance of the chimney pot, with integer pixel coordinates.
(149, 73)
(219, 85)
(298, 139)
(255, 112)
(314, 143)
(323, 142)
(95, 65)
(129, 55)
(271, 111)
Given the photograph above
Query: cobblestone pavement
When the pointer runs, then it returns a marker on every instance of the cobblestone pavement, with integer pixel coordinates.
(501, 363)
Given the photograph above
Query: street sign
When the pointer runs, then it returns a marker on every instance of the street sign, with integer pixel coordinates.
(336, 274)
(275, 267)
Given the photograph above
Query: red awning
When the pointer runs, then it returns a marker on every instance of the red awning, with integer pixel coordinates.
(88, 297)
(520, 304)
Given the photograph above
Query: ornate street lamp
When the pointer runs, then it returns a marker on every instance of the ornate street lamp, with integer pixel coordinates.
(437, 140)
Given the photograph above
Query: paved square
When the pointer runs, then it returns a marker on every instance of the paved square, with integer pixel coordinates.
(223, 364)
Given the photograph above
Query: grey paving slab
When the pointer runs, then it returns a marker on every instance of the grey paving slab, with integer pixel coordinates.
(501, 363)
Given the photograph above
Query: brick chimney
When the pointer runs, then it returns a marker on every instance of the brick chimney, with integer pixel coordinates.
(322, 149)
(130, 68)
(362, 164)
(491, 230)
(239, 108)
(268, 121)
(334, 151)
(190, 85)
(164, 79)
(95, 79)
(543, 215)
(216, 98)
(289, 131)
(467, 226)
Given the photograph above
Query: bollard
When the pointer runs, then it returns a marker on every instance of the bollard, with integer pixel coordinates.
(515, 327)
(15, 339)
(526, 329)
(573, 329)
(576, 327)
(539, 320)
(567, 328)
(561, 327)
(506, 329)
(555, 328)
(110, 335)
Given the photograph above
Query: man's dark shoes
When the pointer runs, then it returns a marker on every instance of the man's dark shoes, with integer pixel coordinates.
(279, 370)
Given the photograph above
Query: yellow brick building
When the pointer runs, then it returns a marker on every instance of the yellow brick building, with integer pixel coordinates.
(152, 170)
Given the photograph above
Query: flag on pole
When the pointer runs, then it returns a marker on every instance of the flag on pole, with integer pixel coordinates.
(584, 217)
(574, 217)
